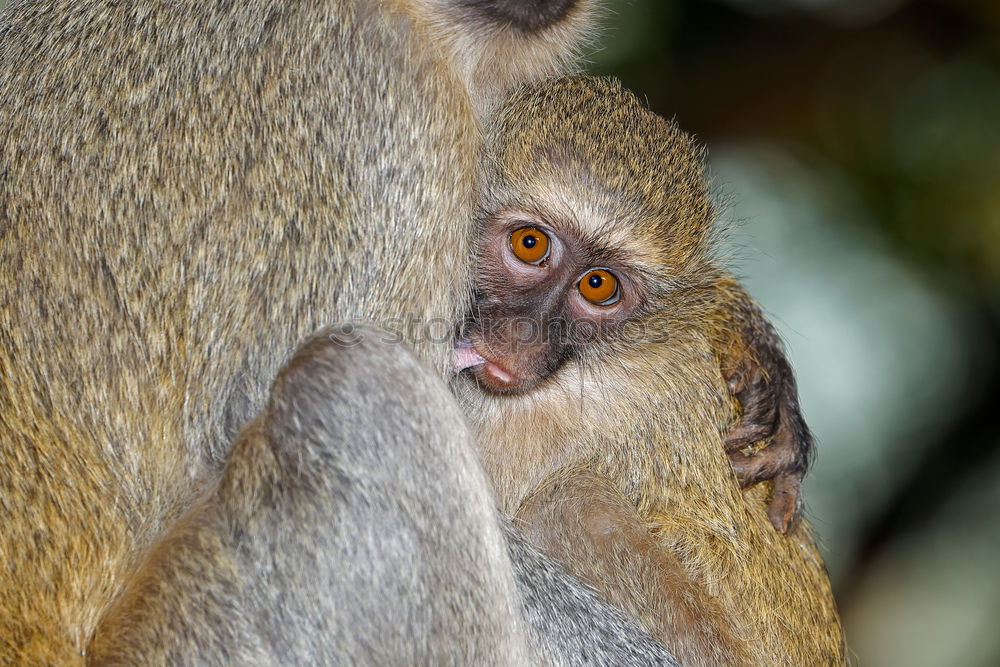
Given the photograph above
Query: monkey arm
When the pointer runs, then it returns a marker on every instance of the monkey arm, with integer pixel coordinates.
(353, 525)
(583, 521)
(761, 379)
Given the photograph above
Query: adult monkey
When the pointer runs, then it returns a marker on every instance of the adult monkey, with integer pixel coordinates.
(188, 189)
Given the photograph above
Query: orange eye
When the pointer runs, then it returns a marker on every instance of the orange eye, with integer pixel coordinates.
(600, 287)
(530, 244)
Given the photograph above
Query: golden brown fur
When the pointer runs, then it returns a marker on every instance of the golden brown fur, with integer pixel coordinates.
(635, 418)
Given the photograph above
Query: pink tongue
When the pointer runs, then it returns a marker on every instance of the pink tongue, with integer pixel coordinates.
(464, 356)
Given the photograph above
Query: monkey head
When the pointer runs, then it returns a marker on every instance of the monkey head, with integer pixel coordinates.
(595, 230)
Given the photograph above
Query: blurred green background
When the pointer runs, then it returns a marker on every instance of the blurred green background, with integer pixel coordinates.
(855, 150)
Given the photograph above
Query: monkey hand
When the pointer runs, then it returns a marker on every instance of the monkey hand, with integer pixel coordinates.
(770, 440)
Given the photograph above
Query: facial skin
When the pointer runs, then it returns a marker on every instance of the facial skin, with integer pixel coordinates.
(550, 293)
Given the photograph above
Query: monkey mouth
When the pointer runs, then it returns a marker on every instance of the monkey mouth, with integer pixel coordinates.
(491, 375)
(465, 355)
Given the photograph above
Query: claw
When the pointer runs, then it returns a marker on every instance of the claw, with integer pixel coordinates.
(741, 435)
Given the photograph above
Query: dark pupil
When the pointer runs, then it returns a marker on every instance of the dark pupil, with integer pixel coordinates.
(529, 241)
(595, 281)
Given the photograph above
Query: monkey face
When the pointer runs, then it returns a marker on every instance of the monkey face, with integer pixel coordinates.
(593, 215)
(544, 294)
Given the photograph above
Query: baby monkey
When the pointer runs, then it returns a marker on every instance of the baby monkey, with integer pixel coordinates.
(584, 260)
(602, 361)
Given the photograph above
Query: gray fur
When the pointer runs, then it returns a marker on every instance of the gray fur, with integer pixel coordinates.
(316, 550)
(570, 624)
(351, 526)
